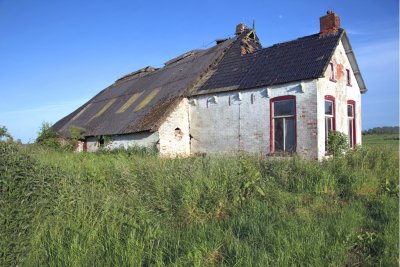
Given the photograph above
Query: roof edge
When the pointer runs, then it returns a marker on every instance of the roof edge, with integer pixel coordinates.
(353, 62)
(194, 85)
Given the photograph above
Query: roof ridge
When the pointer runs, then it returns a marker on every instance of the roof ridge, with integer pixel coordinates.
(305, 37)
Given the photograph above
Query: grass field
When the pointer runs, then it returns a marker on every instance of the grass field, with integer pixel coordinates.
(123, 209)
(390, 141)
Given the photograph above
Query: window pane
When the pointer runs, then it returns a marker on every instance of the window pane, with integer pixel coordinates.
(290, 135)
(350, 110)
(348, 77)
(351, 141)
(278, 134)
(284, 107)
(328, 128)
(328, 107)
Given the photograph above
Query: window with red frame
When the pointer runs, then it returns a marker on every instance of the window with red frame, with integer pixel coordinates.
(330, 122)
(283, 124)
(351, 122)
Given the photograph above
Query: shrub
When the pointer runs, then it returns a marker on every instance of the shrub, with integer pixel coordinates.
(5, 134)
(337, 143)
(48, 137)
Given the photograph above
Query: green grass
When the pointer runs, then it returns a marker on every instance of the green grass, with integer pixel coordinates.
(390, 141)
(123, 209)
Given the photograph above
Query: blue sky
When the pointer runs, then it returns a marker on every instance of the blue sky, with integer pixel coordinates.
(56, 55)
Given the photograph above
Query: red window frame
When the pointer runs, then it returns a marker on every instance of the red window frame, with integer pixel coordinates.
(354, 137)
(271, 120)
(332, 99)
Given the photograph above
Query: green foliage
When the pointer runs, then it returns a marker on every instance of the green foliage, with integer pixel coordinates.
(337, 143)
(75, 134)
(382, 130)
(4, 134)
(27, 190)
(48, 137)
(390, 141)
(128, 208)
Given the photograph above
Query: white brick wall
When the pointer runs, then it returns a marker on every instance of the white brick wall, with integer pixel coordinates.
(233, 125)
(143, 139)
(342, 94)
(171, 144)
(239, 121)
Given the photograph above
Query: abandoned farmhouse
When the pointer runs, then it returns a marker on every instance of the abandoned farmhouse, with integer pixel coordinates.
(235, 96)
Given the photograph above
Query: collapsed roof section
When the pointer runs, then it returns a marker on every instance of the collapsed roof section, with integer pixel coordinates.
(137, 101)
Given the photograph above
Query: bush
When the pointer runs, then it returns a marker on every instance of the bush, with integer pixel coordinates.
(337, 143)
(5, 134)
(48, 137)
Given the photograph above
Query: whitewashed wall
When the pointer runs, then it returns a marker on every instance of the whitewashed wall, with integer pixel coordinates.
(239, 121)
(342, 93)
(143, 139)
(171, 144)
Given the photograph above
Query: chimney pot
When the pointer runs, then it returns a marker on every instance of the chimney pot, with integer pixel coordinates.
(329, 23)
(240, 28)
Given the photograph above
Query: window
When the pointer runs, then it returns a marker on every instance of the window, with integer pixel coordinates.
(332, 74)
(351, 122)
(283, 124)
(178, 134)
(330, 123)
(348, 75)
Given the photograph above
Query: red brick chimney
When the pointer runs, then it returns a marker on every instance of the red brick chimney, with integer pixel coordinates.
(329, 23)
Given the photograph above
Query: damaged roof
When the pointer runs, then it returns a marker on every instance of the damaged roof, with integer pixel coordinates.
(137, 101)
(300, 59)
(140, 100)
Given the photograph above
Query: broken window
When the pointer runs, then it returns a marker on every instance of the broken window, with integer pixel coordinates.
(351, 122)
(283, 123)
(329, 118)
(178, 134)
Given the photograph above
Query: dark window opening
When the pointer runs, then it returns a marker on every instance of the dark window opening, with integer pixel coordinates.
(178, 134)
(332, 74)
(101, 142)
(351, 122)
(329, 118)
(348, 75)
(283, 124)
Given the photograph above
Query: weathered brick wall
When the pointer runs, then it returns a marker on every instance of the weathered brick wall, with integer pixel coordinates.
(143, 139)
(239, 121)
(92, 145)
(342, 93)
(172, 142)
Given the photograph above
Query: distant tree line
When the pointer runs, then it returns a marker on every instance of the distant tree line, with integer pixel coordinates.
(382, 130)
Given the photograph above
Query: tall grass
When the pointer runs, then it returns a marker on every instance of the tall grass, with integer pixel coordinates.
(125, 209)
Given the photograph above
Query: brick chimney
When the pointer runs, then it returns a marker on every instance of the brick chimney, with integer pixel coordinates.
(329, 23)
(240, 28)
